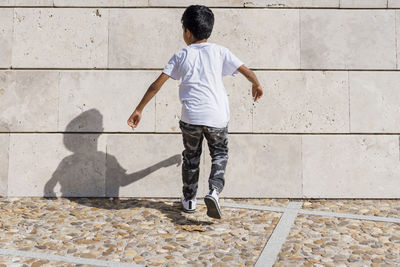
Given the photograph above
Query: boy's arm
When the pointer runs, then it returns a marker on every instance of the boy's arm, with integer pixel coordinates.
(257, 91)
(134, 119)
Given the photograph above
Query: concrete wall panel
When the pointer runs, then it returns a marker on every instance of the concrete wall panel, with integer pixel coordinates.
(68, 165)
(144, 165)
(33, 3)
(6, 34)
(261, 38)
(306, 101)
(255, 166)
(209, 3)
(291, 3)
(60, 38)
(273, 44)
(342, 39)
(144, 38)
(29, 101)
(398, 35)
(107, 97)
(4, 145)
(374, 102)
(102, 3)
(363, 3)
(240, 103)
(347, 166)
(393, 3)
(168, 107)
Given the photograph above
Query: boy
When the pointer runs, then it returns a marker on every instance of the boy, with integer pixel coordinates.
(205, 108)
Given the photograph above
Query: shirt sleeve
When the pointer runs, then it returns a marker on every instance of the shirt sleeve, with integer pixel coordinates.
(172, 67)
(231, 63)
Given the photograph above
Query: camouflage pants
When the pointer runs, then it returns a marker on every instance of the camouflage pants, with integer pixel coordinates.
(217, 139)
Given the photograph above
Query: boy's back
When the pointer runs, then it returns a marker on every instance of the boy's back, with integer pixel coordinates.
(202, 93)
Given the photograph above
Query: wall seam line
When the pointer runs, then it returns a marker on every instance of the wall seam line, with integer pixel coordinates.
(214, 7)
(58, 100)
(160, 69)
(395, 38)
(108, 39)
(299, 39)
(302, 166)
(8, 165)
(348, 94)
(12, 38)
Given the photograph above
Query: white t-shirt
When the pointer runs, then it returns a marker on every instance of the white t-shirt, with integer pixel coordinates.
(201, 92)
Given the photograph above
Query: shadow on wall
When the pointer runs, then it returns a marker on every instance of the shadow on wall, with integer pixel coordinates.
(82, 173)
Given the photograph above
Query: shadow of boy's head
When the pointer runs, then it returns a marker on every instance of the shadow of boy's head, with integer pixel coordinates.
(88, 121)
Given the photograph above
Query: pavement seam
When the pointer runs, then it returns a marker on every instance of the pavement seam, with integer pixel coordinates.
(278, 237)
(350, 216)
(52, 257)
(311, 212)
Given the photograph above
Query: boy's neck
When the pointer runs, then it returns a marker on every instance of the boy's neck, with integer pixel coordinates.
(199, 41)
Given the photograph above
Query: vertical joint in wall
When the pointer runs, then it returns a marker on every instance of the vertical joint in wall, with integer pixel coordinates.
(348, 94)
(395, 38)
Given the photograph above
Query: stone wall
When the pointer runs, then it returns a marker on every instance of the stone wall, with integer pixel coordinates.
(72, 71)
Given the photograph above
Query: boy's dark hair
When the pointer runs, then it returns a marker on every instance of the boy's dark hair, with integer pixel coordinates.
(199, 20)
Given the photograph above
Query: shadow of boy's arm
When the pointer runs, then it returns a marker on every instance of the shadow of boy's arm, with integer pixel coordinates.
(48, 191)
(133, 177)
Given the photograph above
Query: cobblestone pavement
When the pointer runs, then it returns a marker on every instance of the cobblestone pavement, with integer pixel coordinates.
(155, 232)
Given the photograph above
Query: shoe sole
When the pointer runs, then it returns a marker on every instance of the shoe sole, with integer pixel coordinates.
(188, 211)
(213, 210)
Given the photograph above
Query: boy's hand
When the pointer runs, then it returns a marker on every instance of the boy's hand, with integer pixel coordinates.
(134, 119)
(257, 92)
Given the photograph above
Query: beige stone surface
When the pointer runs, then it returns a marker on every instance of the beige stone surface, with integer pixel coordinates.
(259, 42)
(363, 3)
(140, 38)
(33, 2)
(102, 3)
(60, 38)
(272, 45)
(168, 107)
(144, 165)
(291, 3)
(209, 3)
(262, 165)
(374, 102)
(130, 231)
(393, 4)
(398, 35)
(351, 166)
(4, 144)
(368, 207)
(341, 39)
(306, 101)
(107, 97)
(6, 32)
(6, 2)
(68, 165)
(238, 89)
(29, 100)
(330, 241)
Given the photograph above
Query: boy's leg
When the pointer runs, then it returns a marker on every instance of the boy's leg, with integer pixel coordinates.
(192, 141)
(217, 139)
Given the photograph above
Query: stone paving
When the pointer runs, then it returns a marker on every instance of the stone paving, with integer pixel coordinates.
(155, 232)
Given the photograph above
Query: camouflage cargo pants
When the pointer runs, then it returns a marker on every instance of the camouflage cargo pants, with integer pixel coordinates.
(217, 139)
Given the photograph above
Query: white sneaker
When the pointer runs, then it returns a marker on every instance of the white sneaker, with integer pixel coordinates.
(211, 201)
(188, 205)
